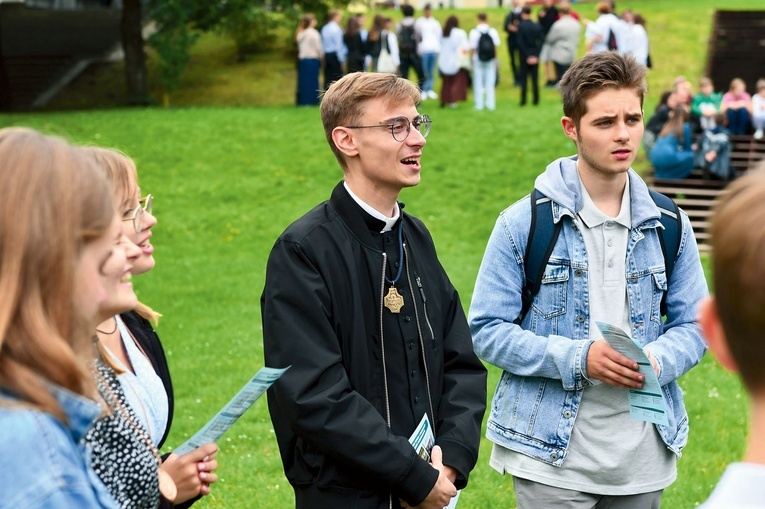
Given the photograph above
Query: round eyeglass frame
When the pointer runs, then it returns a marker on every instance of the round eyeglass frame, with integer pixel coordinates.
(401, 125)
(136, 215)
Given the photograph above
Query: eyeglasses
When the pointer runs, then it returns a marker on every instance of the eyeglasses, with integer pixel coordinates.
(136, 215)
(400, 126)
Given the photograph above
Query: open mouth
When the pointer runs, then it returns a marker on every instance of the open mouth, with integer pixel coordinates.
(411, 161)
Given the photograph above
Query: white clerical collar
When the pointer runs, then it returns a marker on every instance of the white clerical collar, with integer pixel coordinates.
(390, 222)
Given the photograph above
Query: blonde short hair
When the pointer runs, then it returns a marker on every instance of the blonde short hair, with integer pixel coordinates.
(738, 244)
(344, 102)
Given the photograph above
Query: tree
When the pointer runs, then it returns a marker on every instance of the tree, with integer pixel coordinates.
(172, 41)
(136, 82)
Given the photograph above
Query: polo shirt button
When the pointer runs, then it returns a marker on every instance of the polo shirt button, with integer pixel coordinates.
(416, 399)
(610, 264)
(413, 373)
(610, 243)
(407, 318)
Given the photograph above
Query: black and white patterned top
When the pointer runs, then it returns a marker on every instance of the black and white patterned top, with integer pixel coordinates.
(119, 454)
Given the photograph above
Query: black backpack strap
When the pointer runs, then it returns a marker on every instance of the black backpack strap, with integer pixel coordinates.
(543, 234)
(669, 237)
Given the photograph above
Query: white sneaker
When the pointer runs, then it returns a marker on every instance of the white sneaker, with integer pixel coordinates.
(424, 96)
(758, 134)
(432, 94)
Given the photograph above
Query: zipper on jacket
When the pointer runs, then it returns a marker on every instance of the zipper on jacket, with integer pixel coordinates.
(382, 340)
(425, 307)
(382, 348)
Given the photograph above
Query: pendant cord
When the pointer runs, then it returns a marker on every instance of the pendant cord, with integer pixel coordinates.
(113, 330)
(400, 254)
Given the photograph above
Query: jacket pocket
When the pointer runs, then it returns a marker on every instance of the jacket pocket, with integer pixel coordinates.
(658, 289)
(551, 299)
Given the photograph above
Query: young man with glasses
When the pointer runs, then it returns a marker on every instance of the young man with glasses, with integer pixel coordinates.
(357, 303)
(560, 420)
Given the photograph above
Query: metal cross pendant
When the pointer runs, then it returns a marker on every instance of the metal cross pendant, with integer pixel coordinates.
(393, 301)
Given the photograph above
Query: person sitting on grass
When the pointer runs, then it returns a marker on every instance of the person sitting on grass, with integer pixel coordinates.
(733, 322)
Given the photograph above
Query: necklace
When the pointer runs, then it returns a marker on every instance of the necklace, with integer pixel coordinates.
(167, 486)
(112, 331)
(394, 301)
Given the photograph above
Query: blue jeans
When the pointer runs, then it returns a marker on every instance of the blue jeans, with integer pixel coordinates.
(738, 121)
(429, 61)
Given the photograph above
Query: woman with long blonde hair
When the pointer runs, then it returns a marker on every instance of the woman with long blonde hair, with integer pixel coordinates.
(133, 359)
(57, 231)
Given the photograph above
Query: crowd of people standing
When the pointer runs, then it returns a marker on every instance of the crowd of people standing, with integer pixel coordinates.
(550, 41)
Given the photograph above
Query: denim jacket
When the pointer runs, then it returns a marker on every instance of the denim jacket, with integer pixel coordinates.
(45, 465)
(544, 360)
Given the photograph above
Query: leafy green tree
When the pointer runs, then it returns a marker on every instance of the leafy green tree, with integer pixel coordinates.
(172, 41)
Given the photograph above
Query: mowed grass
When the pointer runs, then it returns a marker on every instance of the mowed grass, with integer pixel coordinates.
(228, 180)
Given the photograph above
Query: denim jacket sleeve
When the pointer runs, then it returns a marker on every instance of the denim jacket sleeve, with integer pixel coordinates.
(497, 303)
(43, 467)
(680, 345)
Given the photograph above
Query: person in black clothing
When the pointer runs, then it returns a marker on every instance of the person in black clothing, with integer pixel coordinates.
(407, 46)
(130, 347)
(512, 20)
(548, 15)
(357, 303)
(356, 44)
(529, 45)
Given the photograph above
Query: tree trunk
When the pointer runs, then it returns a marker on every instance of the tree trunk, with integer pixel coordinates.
(135, 57)
(6, 99)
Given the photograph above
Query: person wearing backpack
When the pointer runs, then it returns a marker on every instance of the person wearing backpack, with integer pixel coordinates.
(529, 42)
(608, 32)
(560, 419)
(484, 41)
(407, 47)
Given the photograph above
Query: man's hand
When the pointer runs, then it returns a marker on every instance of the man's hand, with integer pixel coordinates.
(443, 491)
(192, 472)
(606, 364)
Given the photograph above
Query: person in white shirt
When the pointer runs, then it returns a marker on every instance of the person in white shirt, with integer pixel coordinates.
(635, 40)
(428, 31)
(484, 69)
(599, 31)
(454, 63)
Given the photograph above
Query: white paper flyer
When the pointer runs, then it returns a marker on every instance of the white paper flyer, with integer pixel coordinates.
(233, 410)
(647, 403)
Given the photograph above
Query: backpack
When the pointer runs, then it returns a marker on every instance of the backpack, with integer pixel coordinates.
(486, 49)
(407, 41)
(612, 46)
(543, 235)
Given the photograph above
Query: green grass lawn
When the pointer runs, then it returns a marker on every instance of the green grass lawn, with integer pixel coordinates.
(228, 180)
